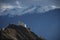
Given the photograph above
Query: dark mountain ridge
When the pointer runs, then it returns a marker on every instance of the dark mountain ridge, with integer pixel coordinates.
(17, 32)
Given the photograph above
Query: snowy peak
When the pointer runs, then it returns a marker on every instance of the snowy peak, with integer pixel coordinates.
(25, 10)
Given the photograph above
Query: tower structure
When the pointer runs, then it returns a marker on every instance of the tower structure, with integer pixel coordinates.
(21, 23)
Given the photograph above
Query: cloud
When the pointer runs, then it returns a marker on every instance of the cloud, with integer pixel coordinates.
(18, 4)
(5, 6)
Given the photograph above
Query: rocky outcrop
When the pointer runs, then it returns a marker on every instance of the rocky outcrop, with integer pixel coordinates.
(17, 32)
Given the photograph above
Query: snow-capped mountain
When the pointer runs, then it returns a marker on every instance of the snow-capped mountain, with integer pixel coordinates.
(24, 10)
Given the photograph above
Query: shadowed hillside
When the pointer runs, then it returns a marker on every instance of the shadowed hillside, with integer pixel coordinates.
(17, 32)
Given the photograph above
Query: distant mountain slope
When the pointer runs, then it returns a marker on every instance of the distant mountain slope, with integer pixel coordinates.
(25, 10)
(17, 32)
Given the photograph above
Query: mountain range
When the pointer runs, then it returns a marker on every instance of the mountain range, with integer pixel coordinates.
(25, 10)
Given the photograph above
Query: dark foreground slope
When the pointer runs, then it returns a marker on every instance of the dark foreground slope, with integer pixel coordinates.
(17, 32)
